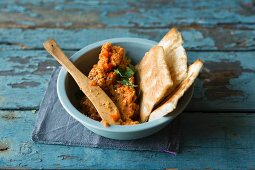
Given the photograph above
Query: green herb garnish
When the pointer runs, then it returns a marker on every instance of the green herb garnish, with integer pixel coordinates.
(125, 74)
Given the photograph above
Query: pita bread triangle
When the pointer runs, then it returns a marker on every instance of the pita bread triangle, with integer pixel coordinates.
(171, 101)
(175, 55)
(155, 80)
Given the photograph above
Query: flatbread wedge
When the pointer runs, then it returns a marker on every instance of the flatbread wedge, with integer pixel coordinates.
(154, 80)
(175, 55)
(171, 101)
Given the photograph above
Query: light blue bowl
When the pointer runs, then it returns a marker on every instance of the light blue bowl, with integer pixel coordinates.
(69, 93)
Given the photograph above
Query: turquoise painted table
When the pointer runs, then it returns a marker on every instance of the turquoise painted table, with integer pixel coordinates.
(218, 127)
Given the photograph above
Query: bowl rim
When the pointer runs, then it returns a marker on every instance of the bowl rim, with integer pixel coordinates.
(75, 113)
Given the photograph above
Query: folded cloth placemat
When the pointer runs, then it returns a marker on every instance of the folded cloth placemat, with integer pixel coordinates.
(55, 126)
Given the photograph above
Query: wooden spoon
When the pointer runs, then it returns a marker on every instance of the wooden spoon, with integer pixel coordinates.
(103, 104)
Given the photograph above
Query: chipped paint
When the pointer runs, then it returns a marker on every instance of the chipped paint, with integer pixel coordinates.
(216, 77)
(9, 116)
(226, 38)
(227, 139)
(146, 14)
(197, 38)
(24, 84)
(22, 46)
(19, 60)
(4, 147)
(46, 15)
(45, 67)
(67, 157)
(12, 73)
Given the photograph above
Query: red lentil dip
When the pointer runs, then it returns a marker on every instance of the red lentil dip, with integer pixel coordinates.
(113, 74)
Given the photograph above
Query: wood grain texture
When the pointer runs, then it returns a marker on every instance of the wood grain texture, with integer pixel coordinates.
(146, 14)
(225, 83)
(223, 138)
(197, 38)
(24, 77)
(212, 31)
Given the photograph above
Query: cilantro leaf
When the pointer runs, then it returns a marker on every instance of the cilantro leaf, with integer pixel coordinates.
(126, 73)
(129, 72)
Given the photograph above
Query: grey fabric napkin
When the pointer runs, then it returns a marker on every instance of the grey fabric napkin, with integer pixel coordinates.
(55, 126)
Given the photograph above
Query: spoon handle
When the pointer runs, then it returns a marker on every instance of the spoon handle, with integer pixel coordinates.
(52, 47)
(103, 104)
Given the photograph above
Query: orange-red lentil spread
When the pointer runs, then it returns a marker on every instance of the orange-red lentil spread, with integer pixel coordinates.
(103, 74)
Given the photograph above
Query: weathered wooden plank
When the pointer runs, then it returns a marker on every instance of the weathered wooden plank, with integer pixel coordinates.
(209, 141)
(84, 14)
(24, 77)
(197, 38)
(225, 84)
(219, 130)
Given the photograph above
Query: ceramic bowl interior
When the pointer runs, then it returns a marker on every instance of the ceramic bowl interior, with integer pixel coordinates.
(70, 95)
